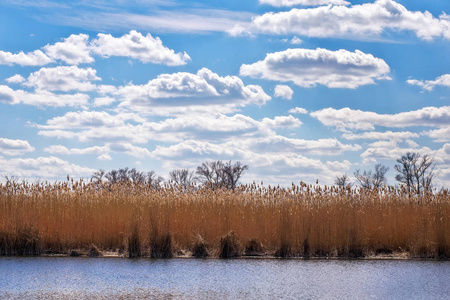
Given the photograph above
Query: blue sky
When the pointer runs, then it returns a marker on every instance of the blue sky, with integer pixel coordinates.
(296, 89)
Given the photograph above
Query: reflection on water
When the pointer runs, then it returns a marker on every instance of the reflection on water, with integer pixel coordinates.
(105, 278)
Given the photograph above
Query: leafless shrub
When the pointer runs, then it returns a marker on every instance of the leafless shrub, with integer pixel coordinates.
(229, 246)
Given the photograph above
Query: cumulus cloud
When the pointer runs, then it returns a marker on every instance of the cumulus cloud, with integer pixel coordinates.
(280, 3)
(135, 45)
(298, 110)
(41, 98)
(15, 79)
(91, 126)
(362, 21)
(35, 58)
(439, 135)
(78, 49)
(73, 50)
(296, 41)
(390, 150)
(278, 143)
(14, 147)
(283, 91)
(60, 149)
(347, 118)
(102, 152)
(307, 68)
(103, 101)
(63, 78)
(87, 119)
(429, 85)
(282, 122)
(186, 93)
(193, 148)
(42, 168)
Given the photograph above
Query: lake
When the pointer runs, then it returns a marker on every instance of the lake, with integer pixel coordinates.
(105, 278)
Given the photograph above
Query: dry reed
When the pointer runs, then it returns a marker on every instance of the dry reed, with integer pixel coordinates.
(302, 220)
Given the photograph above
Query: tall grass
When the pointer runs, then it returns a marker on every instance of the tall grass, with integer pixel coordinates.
(301, 220)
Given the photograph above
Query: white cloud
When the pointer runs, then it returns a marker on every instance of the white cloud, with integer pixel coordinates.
(77, 49)
(390, 150)
(282, 122)
(280, 3)
(63, 78)
(14, 147)
(87, 119)
(104, 157)
(42, 168)
(130, 149)
(41, 98)
(283, 91)
(307, 68)
(429, 85)
(103, 101)
(388, 135)
(135, 45)
(363, 21)
(35, 58)
(192, 148)
(281, 144)
(15, 79)
(347, 118)
(102, 152)
(296, 41)
(339, 166)
(60, 149)
(187, 93)
(439, 135)
(91, 126)
(298, 110)
(73, 50)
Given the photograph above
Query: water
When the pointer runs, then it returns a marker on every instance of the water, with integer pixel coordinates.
(111, 278)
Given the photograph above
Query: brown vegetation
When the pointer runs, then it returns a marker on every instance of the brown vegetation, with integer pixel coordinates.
(300, 221)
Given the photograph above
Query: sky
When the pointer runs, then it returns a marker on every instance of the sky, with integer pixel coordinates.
(298, 90)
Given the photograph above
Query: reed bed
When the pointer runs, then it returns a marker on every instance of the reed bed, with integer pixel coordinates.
(76, 217)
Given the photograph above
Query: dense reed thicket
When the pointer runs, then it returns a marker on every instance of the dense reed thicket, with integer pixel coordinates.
(303, 220)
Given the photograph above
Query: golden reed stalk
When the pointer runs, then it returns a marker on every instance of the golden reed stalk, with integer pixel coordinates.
(302, 220)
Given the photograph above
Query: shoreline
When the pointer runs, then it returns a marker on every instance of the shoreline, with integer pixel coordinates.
(188, 255)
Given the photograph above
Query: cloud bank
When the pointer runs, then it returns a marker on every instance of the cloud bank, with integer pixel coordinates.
(360, 21)
(307, 68)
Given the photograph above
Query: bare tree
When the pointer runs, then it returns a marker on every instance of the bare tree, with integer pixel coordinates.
(137, 177)
(112, 176)
(128, 175)
(217, 174)
(123, 175)
(233, 173)
(154, 180)
(98, 176)
(416, 172)
(364, 179)
(211, 173)
(182, 177)
(367, 179)
(379, 177)
(342, 180)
